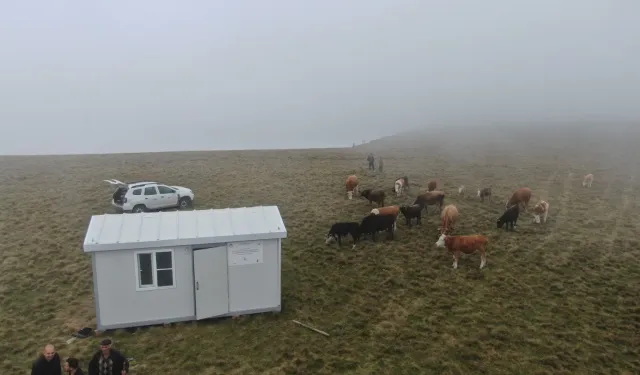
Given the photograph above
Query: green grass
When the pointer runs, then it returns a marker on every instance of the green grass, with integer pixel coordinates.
(557, 298)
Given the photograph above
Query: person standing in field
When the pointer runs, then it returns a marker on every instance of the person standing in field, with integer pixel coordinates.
(108, 361)
(380, 164)
(371, 159)
(48, 363)
(71, 367)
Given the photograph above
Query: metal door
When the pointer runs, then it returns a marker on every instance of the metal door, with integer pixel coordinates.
(211, 282)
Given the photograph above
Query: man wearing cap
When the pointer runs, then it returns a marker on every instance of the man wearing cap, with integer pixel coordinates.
(108, 361)
(48, 363)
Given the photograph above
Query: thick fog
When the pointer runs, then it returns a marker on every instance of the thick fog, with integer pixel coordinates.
(153, 75)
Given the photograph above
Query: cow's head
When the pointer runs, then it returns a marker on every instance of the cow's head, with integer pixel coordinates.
(330, 239)
(403, 209)
(499, 223)
(365, 193)
(440, 242)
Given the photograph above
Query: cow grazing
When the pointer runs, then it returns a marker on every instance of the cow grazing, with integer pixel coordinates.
(484, 193)
(461, 190)
(588, 180)
(510, 216)
(432, 185)
(540, 209)
(374, 196)
(342, 229)
(372, 224)
(352, 186)
(430, 198)
(400, 184)
(410, 212)
(521, 196)
(464, 244)
(449, 217)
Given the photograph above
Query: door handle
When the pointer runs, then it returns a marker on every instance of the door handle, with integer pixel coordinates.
(197, 286)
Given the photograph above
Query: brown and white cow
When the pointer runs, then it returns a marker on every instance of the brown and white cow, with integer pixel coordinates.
(484, 193)
(588, 180)
(388, 210)
(352, 186)
(540, 209)
(461, 190)
(464, 244)
(521, 196)
(449, 217)
(401, 184)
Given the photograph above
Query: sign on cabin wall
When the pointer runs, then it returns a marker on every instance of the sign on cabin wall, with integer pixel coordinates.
(244, 253)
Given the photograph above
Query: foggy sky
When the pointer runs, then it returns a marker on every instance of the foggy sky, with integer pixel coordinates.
(153, 75)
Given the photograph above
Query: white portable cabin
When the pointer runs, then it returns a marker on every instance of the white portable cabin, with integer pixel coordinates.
(164, 267)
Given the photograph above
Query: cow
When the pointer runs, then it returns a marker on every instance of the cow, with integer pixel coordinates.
(388, 210)
(540, 209)
(400, 184)
(374, 196)
(372, 224)
(520, 197)
(510, 216)
(342, 229)
(461, 190)
(484, 193)
(352, 186)
(464, 244)
(449, 217)
(432, 185)
(588, 180)
(430, 198)
(412, 211)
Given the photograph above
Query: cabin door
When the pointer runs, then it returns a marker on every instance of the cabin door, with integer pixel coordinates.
(211, 282)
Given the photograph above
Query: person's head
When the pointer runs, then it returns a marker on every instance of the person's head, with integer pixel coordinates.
(71, 364)
(49, 352)
(105, 346)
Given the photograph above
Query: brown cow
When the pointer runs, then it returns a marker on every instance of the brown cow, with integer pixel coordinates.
(449, 217)
(540, 209)
(374, 196)
(484, 192)
(352, 186)
(432, 185)
(387, 210)
(521, 197)
(588, 180)
(430, 198)
(464, 244)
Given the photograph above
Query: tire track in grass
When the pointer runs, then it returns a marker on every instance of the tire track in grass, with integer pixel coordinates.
(617, 216)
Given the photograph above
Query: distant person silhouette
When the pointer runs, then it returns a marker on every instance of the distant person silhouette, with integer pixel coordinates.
(371, 159)
(380, 164)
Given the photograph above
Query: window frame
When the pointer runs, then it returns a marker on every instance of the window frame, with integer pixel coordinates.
(133, 192)
(154, 187)
(154, 270)
(171, 191)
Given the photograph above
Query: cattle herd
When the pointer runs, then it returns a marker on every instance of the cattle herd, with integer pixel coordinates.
(384, 218)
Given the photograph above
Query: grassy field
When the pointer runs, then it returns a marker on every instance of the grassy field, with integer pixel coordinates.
(559, 298)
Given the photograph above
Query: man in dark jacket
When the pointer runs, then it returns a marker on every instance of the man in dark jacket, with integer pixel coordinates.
(48, 363)
(108, 361)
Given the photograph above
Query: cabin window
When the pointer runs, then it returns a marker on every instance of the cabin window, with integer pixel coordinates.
(137, 192)
(155, 269)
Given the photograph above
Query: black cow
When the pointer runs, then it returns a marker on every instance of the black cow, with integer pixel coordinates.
(410, 212)
(343, 229)
(510, 216)
(373, 224)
